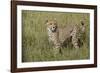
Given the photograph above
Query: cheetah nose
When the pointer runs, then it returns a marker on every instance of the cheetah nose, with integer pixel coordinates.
(53, 27)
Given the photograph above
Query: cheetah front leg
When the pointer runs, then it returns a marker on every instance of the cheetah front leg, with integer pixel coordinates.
(75, 42)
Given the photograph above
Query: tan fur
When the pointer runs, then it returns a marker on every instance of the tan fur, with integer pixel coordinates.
(59, 35)
(53, 36)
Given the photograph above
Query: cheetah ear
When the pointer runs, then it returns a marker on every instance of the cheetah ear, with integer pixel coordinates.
(46, 21)
(55, 20)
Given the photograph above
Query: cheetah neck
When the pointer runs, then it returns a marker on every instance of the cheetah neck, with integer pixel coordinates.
(53, 35)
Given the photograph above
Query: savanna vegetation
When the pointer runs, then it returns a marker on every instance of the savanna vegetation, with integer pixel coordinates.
(35, 44)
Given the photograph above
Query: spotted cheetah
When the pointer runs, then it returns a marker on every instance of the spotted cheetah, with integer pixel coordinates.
(58, 35)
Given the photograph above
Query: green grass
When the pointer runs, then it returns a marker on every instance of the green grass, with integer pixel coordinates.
(35, 45)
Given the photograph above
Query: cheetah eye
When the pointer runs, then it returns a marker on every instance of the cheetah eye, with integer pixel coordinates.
(50, 23)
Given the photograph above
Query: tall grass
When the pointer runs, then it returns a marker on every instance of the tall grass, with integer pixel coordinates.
(35, 45)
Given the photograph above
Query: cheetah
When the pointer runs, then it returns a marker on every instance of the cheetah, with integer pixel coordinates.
(59, 35)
